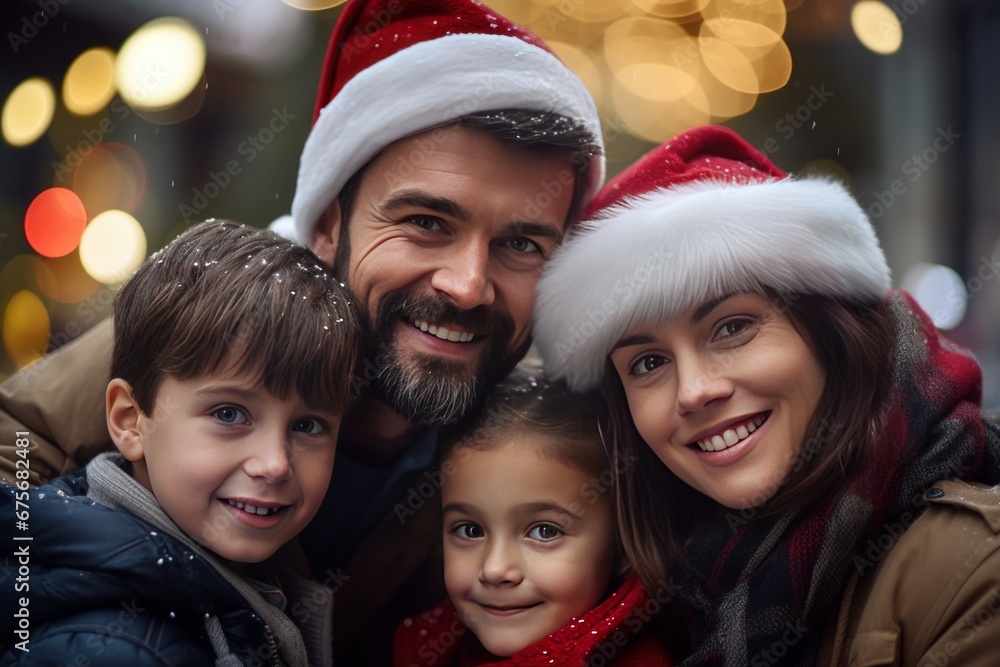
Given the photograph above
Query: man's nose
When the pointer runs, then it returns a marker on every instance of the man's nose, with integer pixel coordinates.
(464, 276)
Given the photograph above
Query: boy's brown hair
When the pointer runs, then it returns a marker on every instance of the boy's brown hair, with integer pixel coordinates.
(227, 296)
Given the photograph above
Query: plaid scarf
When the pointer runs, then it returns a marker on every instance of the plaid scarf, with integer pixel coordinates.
(763, 593)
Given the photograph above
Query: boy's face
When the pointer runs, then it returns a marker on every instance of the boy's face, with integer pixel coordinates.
(238, 470)
(526, 547)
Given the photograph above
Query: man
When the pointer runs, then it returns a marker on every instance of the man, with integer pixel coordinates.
(448, 153)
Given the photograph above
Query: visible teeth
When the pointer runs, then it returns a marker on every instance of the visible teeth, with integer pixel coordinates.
(730, 436)
(443, 332)
(261, 511)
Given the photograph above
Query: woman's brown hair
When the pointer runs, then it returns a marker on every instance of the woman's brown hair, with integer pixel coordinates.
(853, 341)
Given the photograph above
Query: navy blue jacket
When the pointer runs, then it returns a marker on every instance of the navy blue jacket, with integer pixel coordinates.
(107, 588)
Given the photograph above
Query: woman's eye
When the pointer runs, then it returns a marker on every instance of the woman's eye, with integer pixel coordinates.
(733, 327)
(646, 364)
(544, 532)
(469, 531)
(229, 414)
(309, 426)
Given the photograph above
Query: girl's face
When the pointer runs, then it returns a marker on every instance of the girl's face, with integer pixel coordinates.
(723, 394)
(528, 542)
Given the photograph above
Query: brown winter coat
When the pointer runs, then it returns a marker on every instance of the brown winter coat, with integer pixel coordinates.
(932, 599)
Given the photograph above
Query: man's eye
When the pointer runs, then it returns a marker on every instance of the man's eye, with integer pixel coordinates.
(523, 245)
(426, 222)
(229, 414)
(645, 364)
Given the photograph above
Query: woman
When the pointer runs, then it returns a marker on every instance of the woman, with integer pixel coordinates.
(801, 450)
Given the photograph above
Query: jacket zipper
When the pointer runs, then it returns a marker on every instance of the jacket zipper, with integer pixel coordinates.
(273, 656)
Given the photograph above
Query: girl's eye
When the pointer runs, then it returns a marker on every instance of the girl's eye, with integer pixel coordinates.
(645, 364)
(309, 426)
(469, 531)
(733, 327)
(229, 414)
(544, 532)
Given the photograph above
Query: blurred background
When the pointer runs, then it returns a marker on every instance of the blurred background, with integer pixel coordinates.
(125, 121)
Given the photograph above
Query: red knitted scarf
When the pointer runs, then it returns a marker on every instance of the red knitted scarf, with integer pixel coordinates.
(613, 629)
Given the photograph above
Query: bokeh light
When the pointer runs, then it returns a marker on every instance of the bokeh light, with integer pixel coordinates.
(89, 84)
(64, 279)
(110, 176)
(113, 246)
(771, 14)
(313, 5)
(716, 98)
(593, 11)
(940, 291)
(26, 328)
(747, 57)
(673, 9)
(651, 120)
(582, 65)
(160, 64)
(877, 26)
(54, 222)
(28, 112)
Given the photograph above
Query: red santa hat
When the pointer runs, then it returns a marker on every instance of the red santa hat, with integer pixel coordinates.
(394, 68)
(702, 216)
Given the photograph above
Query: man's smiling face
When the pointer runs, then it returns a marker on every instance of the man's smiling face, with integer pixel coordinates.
(447, 238)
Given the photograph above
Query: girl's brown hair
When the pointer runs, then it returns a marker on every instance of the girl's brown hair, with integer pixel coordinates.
(853, 341)
(526, 402)
(226, 296)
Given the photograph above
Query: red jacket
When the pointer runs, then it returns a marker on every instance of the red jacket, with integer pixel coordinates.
(619, 628)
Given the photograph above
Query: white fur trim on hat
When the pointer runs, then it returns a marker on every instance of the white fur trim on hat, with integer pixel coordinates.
(425, 86)
(664, 252)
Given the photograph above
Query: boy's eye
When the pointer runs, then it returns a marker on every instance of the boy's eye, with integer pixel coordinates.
(544, 532)
(309, 426)
(229, 414)
(645, 364)
(469, 531)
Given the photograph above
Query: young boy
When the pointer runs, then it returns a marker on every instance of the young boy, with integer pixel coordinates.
(533, 572)
(231, 370)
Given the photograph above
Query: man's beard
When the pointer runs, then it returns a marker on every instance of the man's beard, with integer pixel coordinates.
(427, 389)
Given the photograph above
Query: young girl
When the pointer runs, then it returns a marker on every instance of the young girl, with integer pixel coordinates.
(531, 563)
(812, 462)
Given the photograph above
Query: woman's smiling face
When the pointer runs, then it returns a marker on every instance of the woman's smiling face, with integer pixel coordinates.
(723, 394)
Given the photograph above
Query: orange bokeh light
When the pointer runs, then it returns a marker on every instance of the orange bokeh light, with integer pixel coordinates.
(110, 175)
(54, 222)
